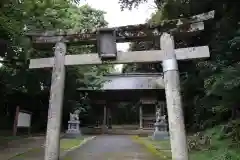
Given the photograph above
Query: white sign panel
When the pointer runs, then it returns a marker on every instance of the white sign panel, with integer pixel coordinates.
(24, 119)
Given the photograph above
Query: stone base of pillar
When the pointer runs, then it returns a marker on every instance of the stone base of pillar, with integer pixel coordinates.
(160, 131)
(160, 135)
(73, 134)
(104, 128)
(73, 129)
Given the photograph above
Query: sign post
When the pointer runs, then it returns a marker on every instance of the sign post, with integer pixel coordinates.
(15, 121)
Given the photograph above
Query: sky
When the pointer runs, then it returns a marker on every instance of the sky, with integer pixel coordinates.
(115, 17)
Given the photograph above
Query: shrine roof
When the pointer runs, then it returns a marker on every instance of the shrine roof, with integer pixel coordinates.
(131, 81)
(125, 95)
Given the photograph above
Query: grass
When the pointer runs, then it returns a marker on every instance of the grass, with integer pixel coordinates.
(65, 144)
(6, 139)
(220, 149)
(151, 147)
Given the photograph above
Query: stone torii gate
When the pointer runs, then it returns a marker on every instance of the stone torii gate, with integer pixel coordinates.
(168, 55)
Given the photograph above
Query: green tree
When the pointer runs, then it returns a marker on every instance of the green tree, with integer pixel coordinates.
(18, 17)
(211, 87)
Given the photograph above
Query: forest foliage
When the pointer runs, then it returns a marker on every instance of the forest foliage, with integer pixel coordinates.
(30, 88)
(210, 90)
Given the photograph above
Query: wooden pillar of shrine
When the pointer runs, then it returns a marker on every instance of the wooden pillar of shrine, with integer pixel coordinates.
(109, 116)
(140, 117)
(104, 125)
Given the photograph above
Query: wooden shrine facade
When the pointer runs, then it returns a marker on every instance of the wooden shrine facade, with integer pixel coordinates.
(140, 88)
(127, 87)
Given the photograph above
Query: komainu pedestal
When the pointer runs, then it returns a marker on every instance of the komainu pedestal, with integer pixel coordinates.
(73, 129)
(73, 126)
(160, 131)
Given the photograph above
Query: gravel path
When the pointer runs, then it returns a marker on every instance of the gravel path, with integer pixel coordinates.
(111, 148)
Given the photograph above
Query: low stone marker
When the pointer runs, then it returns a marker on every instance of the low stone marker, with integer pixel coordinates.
(73, 126)
(160, 131)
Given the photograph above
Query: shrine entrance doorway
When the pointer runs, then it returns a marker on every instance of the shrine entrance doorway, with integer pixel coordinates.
(139, 89)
